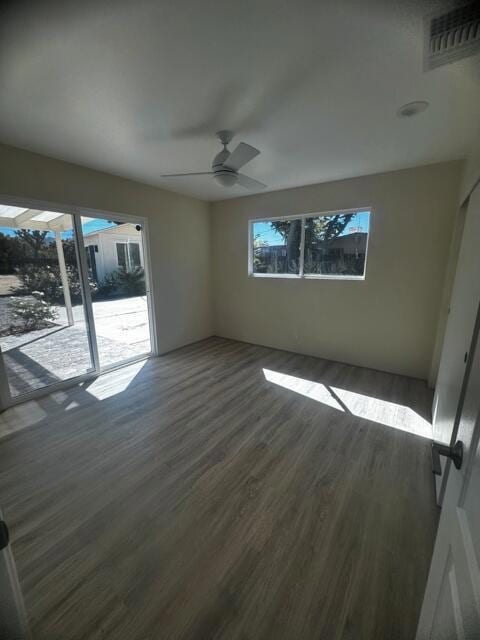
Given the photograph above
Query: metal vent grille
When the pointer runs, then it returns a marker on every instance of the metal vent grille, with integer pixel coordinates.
(452, 35)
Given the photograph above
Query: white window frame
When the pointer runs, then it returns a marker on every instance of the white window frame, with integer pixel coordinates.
(301, 274)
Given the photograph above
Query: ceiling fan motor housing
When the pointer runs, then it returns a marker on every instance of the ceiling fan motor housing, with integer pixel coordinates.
(225, 177)
(220, 158)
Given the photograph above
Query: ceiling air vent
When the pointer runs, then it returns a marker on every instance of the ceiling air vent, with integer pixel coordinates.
(452, 35)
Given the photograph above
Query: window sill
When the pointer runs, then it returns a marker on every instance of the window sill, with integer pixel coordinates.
(314, 276)
(276, 276)
(294, 276)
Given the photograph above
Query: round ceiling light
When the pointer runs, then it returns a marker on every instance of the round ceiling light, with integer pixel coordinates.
(412, 109)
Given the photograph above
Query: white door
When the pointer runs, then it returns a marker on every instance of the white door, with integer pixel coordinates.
(459, 331)
(13, 619)
(451, 606)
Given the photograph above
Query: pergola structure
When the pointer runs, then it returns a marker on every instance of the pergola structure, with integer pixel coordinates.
(53, 221)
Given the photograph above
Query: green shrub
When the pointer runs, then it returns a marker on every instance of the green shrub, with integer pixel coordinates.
(109, 286)
(122, 282)
(33, 313)
(46, 278)
(132, 282)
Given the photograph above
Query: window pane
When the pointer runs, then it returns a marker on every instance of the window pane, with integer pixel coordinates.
(336, 245)
(119, 301)
(134, 250)
(43, 331)
(121, 255)
(276, 246)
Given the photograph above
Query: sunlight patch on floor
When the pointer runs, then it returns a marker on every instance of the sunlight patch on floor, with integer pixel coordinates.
(20, 417)
(314, 390)
(110, 384)
(72, 405)
(383, 412)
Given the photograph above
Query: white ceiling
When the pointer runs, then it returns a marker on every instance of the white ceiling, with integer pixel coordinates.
(138, 88)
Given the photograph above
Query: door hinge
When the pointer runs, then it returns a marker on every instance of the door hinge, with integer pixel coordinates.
(4, 535)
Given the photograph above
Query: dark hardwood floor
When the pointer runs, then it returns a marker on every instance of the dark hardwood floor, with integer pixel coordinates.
(223, 491)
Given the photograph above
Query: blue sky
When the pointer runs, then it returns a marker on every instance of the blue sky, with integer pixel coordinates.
(91, 226)
(360, 222)
(96, 225)
(87, 227)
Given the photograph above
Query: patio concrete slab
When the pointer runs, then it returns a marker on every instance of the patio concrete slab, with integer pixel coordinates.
(39, 358)
(8, 284)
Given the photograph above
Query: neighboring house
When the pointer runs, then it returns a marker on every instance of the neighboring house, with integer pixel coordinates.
(343, 254)
(114, 248)
(350, 243)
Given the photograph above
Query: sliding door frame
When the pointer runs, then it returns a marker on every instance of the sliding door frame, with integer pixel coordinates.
(124, 217)
(6, 399)
(86, 293)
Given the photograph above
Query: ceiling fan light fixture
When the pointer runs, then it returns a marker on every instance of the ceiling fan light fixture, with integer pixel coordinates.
(225, 178)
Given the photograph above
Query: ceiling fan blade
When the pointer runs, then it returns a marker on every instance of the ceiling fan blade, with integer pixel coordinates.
(240, 156)
(182, 175)
(250, 183)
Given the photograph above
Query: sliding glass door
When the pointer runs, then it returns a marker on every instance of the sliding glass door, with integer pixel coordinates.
(43, 333)
(74, 298)
(116, 275)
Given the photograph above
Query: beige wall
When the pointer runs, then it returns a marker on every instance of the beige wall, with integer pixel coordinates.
(179, 233)
(386, 322)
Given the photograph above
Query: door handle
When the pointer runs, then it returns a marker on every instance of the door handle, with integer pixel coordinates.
(455, 454)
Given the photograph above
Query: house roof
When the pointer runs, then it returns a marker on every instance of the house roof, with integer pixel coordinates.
(124, 228)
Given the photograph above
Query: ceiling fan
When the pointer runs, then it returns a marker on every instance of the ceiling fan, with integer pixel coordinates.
(226, 164)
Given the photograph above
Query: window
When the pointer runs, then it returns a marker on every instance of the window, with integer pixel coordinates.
(276, 247)
(122, 255)
(91, 261)
(330, 245)
(134, 254)
(128, 255)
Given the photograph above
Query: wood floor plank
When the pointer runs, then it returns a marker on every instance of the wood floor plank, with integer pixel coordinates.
(223, 491)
